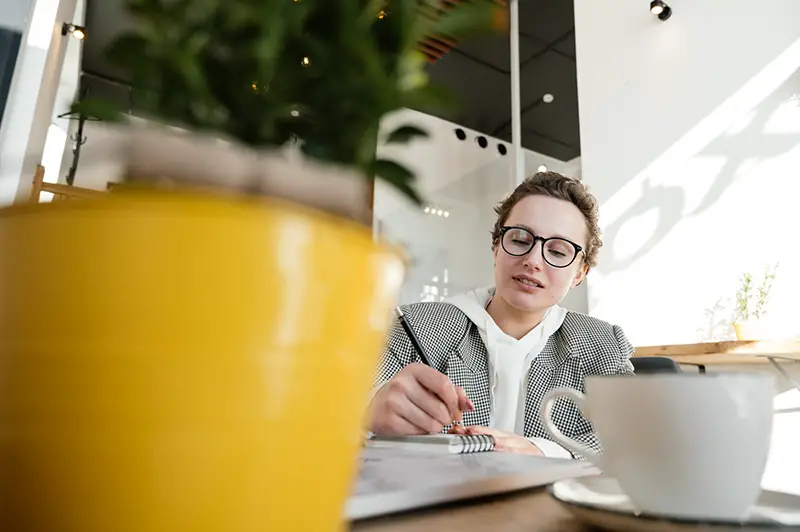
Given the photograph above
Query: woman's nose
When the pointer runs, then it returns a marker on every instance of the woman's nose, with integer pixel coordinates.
(534, 256)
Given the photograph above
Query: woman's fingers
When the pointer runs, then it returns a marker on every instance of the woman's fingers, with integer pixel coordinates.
(403, 426)
(423, 397)
(439, 385)
(426, 416)
(464, 404)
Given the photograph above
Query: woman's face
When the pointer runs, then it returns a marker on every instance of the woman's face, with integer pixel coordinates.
(528, 283)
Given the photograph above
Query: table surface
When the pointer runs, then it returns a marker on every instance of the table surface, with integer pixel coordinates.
(732, 352)
(529, 511)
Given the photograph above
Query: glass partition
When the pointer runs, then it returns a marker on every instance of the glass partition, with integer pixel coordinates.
(448, 239)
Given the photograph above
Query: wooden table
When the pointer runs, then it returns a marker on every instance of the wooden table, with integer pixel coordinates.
(527, 511)
(733, 352)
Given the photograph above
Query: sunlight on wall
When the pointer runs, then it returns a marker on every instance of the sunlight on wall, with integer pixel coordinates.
(41, 28)
(688, 230)
(51, 157)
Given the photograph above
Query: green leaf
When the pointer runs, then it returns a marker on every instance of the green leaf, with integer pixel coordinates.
(98, 110)
(399, 176)
(404, 134)
(196, 61)
(411, 71)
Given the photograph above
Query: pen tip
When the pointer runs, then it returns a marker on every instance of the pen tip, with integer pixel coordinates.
(398, 311)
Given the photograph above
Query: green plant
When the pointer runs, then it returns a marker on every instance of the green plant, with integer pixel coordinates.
(763, 291)
(269, 72)
(743, 296)
(751, 301)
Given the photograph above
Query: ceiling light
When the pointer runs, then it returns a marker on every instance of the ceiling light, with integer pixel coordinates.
(548, 98)
(542, 168)
(79, 32)
(660, 9)
(656, 7)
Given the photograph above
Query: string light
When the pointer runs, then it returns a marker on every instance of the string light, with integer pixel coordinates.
(436, 212)
(305, 61)
(381, 14)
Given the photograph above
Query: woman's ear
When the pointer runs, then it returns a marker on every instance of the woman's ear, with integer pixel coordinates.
(583, 271)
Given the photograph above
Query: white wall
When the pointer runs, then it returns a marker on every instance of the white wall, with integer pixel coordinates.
(451, 254)
(14, 14)
(33, 93)
(692, 147)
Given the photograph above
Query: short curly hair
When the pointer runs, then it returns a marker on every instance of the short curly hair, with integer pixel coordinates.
(555, 185)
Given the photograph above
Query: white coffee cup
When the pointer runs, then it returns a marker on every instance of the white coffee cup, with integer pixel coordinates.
(681, 445)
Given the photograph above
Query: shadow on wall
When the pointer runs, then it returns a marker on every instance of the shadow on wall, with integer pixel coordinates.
(718, 323)
(737, 148)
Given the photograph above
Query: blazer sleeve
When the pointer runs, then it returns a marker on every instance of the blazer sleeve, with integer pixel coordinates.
(397, 354)
(626, 351)
(585, 433)
(398, 351)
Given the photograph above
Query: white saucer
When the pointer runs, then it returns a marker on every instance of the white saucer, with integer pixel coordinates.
(599, 501)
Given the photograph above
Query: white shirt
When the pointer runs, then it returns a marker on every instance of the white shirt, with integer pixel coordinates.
(509, 362)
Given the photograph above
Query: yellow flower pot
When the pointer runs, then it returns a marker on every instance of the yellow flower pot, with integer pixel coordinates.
(184, 363)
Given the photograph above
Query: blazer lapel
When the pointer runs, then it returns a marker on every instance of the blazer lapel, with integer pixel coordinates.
(467, 366)
(552, 368)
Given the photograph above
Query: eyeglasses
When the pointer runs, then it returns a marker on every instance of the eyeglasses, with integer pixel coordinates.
(557, 252)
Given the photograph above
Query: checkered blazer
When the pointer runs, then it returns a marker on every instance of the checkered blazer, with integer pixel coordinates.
(581, 346)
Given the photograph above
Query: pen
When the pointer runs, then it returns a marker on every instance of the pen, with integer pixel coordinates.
(415, 342)
(412, 336)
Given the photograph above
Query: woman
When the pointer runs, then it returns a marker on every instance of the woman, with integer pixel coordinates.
(496, 352)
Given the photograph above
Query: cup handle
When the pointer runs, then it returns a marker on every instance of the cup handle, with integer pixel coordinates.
(546, 410)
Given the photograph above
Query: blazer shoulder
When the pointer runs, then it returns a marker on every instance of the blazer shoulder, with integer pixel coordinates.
(440, 326)
(438, 317)
(583, 323)
(600, 344)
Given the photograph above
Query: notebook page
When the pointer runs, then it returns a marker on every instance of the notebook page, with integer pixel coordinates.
(392, 480)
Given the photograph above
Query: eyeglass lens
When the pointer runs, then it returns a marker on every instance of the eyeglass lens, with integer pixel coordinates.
(556, 251)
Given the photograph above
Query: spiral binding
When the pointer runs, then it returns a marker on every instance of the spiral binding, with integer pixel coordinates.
(476, 443)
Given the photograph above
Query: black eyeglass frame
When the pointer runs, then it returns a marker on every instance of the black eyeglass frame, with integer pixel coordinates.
(507, 228)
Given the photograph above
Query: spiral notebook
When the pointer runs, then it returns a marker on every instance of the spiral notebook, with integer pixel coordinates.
(394, 480)
(445, 443)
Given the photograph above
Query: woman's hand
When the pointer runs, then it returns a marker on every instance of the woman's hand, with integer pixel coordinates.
(506, 442)
(418, 400)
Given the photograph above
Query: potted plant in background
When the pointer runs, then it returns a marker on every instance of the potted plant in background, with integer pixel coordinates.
(202, 361)
(751, 305)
